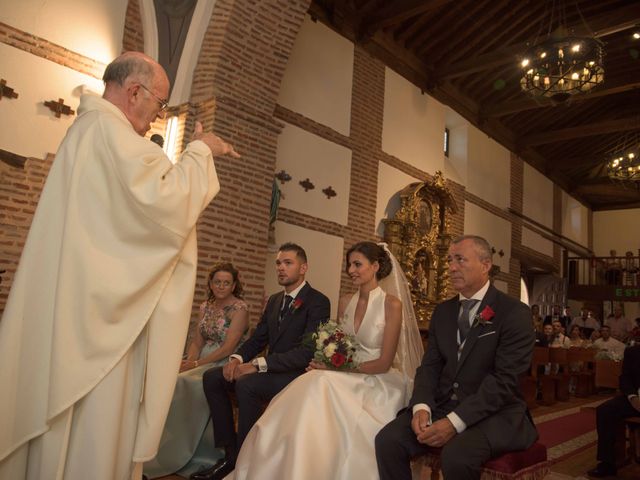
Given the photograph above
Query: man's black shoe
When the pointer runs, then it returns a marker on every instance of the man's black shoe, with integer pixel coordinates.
(603, 470)
(220, 470)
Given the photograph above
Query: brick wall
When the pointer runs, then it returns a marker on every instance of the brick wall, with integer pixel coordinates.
(133, 39)
(20, 190)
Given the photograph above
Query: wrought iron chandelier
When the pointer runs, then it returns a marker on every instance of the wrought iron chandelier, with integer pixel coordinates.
(623, 163)
(560, 67)
(563, 63)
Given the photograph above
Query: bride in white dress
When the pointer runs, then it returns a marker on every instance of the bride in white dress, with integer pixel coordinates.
(323, 425)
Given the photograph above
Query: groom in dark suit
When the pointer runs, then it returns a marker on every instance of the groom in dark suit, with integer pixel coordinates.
(466, 397)
(288, 317)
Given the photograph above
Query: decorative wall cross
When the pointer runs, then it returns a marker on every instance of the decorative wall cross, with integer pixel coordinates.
(6, 91)
(283, 176)
(329, 192)
(307, 185)
(59, 108)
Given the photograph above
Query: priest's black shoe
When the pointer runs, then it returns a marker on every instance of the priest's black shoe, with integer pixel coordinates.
(220, 470)
(603, 470)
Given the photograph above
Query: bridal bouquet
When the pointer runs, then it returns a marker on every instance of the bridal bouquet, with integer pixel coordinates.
(334, 347)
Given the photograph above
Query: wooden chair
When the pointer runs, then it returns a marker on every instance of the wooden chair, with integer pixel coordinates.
(633, 427)
(558, 357)
(529, 464)
(581, 364)
(539, 361)
(607, 374)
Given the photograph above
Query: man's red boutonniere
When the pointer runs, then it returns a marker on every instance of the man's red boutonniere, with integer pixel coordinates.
(484, 317)
(297, 303)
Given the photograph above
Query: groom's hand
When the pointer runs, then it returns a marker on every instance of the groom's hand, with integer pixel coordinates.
(244, 369)
(438, 434)
(228, 371)
(420, 421)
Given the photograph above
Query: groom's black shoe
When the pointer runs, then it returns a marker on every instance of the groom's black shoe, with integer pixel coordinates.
(603, 470)
(220, 470)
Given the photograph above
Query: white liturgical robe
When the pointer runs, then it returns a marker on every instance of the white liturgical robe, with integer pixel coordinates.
(105, 281)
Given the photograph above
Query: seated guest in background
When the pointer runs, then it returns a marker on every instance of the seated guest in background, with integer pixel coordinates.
(613, 274)
(609, 346)
(538, 322)
(634, 335)
(611, 413)
(556, 314)
(586, 322)
(575, 337)
(595, 335)
(466, 397)
(546, 338)
(222, 326)
(620, 326)
(559, 338)
(289, 317)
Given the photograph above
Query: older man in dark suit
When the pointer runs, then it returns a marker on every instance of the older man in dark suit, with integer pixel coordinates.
(289, 316)
(466, 397)
(611, 413)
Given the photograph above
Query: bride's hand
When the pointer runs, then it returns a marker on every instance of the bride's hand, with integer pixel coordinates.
(313, 365)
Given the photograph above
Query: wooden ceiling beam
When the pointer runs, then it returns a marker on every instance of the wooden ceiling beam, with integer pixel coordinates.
(603, 25)
(581, 131)
(528, 103)
(398, 11)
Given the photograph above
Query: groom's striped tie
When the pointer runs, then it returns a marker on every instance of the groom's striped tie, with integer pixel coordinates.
(463, 318)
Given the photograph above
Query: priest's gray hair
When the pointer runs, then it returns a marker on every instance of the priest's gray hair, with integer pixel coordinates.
(482, 246)
(126, 66)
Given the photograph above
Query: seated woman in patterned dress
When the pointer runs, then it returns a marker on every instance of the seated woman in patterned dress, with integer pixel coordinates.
(222, 327)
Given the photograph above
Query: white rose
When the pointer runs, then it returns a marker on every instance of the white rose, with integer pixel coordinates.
(329, 350)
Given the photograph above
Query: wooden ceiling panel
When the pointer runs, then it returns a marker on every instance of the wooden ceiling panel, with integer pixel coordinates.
(466, 53)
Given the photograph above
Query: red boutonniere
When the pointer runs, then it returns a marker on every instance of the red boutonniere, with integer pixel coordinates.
(297, 303)
(484, 317)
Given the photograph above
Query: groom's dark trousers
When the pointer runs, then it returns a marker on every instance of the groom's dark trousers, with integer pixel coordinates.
(480, 386)
(287, 358)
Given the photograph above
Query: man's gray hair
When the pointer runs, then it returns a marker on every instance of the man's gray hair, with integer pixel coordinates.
(128, 66)
(483, 247)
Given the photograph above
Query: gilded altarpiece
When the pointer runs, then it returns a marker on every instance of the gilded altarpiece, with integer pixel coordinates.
(418, 235)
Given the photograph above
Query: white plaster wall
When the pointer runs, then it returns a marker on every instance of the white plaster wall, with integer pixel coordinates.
(390, 182)
(324, 254)
(318, 79)
(455, 165)
(496, 230)
(537, 242)
(489, 169)
(575, 218)
(617, 230)
(27, 127)
(537, 196)
(305, 155)
(413, 125)
(93, 28)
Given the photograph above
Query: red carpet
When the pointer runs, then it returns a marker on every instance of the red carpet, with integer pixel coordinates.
(562, 429)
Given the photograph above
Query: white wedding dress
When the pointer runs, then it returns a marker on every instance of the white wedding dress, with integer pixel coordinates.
(323, 425)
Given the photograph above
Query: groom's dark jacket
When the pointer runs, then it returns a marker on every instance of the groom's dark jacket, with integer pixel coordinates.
(482, 386)
(286, 349)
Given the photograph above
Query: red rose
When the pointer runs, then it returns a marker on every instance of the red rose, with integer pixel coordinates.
(338, 359)
(297, 303)
(487, 314)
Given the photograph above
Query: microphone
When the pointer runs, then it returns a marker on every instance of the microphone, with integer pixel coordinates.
(157, 139)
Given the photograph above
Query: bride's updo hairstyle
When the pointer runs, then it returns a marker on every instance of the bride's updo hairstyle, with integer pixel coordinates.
(373, 253)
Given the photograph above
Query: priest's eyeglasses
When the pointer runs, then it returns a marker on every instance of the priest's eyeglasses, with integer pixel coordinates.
(163, 103)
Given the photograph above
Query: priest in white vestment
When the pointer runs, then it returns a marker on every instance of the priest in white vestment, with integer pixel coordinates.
(93, 330)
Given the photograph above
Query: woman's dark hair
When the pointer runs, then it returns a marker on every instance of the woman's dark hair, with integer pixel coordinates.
(229, 268)
(373, 253)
